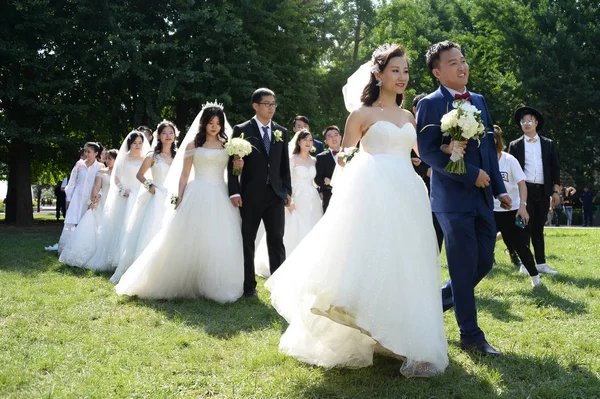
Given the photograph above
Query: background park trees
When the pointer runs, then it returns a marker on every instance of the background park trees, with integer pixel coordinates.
(79, 70)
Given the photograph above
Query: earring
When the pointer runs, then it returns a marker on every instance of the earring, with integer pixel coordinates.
(379, 83)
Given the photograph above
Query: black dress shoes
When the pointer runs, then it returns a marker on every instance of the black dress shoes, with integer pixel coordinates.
(251, 294)
(480, 348)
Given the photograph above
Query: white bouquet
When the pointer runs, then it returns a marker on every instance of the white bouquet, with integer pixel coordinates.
(462, 123)
(238, 147)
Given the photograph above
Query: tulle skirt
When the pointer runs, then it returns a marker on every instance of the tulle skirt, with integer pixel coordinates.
(298, 224)
(366, 278)
(198, 253)
(143, 224)
(82, 244)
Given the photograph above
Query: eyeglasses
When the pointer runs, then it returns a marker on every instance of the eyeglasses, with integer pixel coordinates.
(269, 105)
(529, 122)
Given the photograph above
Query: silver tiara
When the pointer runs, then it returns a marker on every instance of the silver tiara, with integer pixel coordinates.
(214, 104)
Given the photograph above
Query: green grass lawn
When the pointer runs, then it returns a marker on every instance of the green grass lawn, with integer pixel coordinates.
(65, 333)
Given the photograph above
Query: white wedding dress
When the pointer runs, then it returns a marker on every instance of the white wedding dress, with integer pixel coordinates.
(198, 253)
(299, 222)
(145, 220)
(367, 278)
(82, 245)
(116, 213)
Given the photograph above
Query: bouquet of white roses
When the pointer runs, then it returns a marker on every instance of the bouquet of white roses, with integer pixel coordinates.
(462, 123)
(239, 147)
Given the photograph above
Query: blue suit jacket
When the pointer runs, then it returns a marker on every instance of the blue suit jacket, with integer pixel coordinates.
(452, 192)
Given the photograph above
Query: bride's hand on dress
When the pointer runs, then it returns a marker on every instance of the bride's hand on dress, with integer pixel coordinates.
(341, 161)
(152, 190)
(291, 207)
(177, 202)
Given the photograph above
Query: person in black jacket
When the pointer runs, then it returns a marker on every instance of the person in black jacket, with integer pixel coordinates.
(326, 162)
(264, 187)
(538, 157)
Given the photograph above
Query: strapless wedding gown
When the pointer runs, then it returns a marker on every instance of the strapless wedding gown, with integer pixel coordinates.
(145, 220)
(82, 244)
(299, 222)
(367, 278)
(198, 253)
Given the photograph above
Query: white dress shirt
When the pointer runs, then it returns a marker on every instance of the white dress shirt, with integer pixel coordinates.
(534, 167)
(262, 131)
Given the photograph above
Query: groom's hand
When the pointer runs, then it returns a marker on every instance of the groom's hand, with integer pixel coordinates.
(483, 180)
(236, 201)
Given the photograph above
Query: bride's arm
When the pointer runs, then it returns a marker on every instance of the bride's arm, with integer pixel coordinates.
(412, 120)
(147, 164)
(352, 132)
(96, 191)
(185, 172)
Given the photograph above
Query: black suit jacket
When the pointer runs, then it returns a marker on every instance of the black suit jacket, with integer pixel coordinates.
(258, 164)
(325, 166)
(319, 147)
(549, 160)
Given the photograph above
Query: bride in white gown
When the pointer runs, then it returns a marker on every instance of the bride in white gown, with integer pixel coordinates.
(82, 244)
(147, 215)
(305, 210)
(198, 252)
(366, 278)
(122, 195)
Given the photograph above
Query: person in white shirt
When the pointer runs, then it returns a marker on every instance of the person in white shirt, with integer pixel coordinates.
(538, 158)
(516, 237)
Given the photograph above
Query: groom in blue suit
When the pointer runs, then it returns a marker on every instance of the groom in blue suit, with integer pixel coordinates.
(463, 203)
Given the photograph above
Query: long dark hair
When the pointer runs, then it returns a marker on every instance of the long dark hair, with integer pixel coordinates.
(207, 115)
(381, 60)
(161, 126)
(301, 136)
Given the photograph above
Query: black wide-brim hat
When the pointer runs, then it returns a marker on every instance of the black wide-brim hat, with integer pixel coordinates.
(519, 113)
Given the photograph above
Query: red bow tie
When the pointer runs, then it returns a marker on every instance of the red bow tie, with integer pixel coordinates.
(465, 96)
(334, 152)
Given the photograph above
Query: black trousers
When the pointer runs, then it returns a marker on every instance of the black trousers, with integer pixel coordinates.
(516, 238)
(269, 208)
(588, 216)
(61, 207)
(538, 204)
(438, 231)
(326, 199)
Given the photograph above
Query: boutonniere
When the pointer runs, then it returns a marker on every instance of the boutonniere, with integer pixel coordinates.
(278, 135)
(313, 149)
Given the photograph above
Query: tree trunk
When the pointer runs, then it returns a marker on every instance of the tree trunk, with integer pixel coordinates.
(182, 112)
(357, 39)
(19, 210)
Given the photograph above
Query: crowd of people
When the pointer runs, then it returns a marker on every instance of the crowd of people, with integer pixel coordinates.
(349, 239)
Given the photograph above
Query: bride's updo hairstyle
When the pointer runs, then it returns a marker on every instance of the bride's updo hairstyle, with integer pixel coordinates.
(381, 58)
(207, 115)
(133, 137)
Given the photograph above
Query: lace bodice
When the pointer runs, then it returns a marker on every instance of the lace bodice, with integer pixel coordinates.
(303, 175)
(209, 164)
(384, 137)
(160, 168)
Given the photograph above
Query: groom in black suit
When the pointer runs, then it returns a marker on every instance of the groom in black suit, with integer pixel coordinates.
(264, 187)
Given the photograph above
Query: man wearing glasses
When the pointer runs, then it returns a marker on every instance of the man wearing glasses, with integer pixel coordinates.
(539, 159)
(264, 187)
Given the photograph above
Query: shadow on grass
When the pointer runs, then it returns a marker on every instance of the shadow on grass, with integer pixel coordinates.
(542, 297)
(500, 310)
(222, 321)
(512, 375)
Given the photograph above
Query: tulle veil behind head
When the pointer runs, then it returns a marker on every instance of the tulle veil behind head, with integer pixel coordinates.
(118, 169)
(172, 179)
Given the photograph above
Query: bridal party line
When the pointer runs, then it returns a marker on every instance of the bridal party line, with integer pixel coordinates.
(122, 205)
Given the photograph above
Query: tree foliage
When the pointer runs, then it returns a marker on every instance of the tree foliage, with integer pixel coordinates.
(72, 71)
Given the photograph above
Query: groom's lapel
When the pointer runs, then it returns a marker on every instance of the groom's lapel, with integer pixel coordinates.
(256, 132)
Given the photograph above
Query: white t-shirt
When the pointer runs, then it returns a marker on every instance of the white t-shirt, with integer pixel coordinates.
(511, 175)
